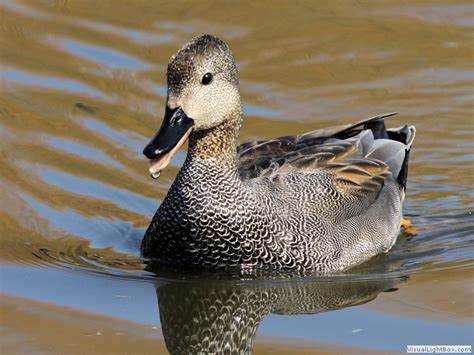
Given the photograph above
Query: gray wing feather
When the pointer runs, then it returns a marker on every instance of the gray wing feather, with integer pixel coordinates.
(367, 139)
(390, 152)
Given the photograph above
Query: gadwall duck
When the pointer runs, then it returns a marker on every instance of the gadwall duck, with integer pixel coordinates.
(326, 200)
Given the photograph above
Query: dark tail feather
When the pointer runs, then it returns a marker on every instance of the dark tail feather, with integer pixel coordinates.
(403, 174)
(375, 124)
(405, 135)
(386, 152)
(378, 128)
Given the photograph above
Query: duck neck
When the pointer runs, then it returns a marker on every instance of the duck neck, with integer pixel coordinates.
(218, 144)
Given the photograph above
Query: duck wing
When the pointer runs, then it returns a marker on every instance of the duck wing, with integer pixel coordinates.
(359, 156)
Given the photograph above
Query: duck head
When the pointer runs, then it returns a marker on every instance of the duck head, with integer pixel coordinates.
(203, 92)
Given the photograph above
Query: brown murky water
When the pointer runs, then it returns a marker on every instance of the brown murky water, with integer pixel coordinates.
(82, 91)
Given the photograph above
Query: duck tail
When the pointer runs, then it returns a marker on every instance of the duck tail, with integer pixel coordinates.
(405, 135)
(392, 146)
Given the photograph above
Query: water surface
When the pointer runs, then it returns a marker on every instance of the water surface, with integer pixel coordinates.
(83, 90)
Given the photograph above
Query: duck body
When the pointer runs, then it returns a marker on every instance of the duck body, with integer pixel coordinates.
(326, 200)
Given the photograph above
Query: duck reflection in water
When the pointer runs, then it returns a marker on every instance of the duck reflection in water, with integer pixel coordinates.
(223, 315)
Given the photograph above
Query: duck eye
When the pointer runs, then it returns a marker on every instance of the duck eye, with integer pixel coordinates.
(207, 78)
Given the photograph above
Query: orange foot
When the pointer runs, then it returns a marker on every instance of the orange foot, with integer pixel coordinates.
(408, 226)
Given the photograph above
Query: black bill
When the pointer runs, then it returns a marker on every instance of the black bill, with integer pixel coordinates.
(173, 133)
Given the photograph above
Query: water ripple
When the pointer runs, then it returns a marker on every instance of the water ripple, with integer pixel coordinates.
(104, 56)
(49, 82)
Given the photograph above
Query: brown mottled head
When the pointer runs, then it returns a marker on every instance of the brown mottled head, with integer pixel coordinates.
(203, 81)
(203, 92)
